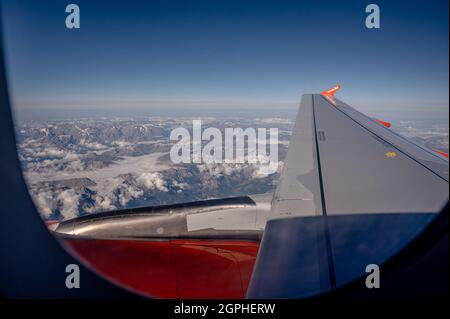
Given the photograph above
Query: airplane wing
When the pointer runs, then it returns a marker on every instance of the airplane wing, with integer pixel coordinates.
(352, 192)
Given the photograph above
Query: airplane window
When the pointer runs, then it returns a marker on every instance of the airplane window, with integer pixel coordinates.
(153, 135)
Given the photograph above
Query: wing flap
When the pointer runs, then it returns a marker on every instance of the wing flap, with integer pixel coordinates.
(298, 188)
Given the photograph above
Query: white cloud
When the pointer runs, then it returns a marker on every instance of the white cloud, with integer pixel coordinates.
(75, 166)
(45, 203)
(121, 143)
(95, 146)
(265, 170)
(152, 181)
(128, 193)
(71, 156)
(50, 152)
(69, 201)
(103, 203)
(180, 185)
(224, 169)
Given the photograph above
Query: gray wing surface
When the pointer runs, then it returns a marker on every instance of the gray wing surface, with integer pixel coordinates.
(343, 162)
(345, 176)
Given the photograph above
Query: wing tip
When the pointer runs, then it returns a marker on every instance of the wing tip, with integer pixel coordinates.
(332, 91)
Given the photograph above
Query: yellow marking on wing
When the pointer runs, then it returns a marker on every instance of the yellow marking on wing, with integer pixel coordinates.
(391, 154)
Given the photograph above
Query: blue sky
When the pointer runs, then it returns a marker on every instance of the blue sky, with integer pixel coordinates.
(218, 53)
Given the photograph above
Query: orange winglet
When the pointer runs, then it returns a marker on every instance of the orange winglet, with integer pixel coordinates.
(331, 91)
(387, 124)
(441, 153)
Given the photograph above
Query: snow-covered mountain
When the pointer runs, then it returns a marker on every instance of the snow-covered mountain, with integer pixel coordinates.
(83, 166)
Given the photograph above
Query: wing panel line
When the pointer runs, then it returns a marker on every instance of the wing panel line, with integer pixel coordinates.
(331, 271)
